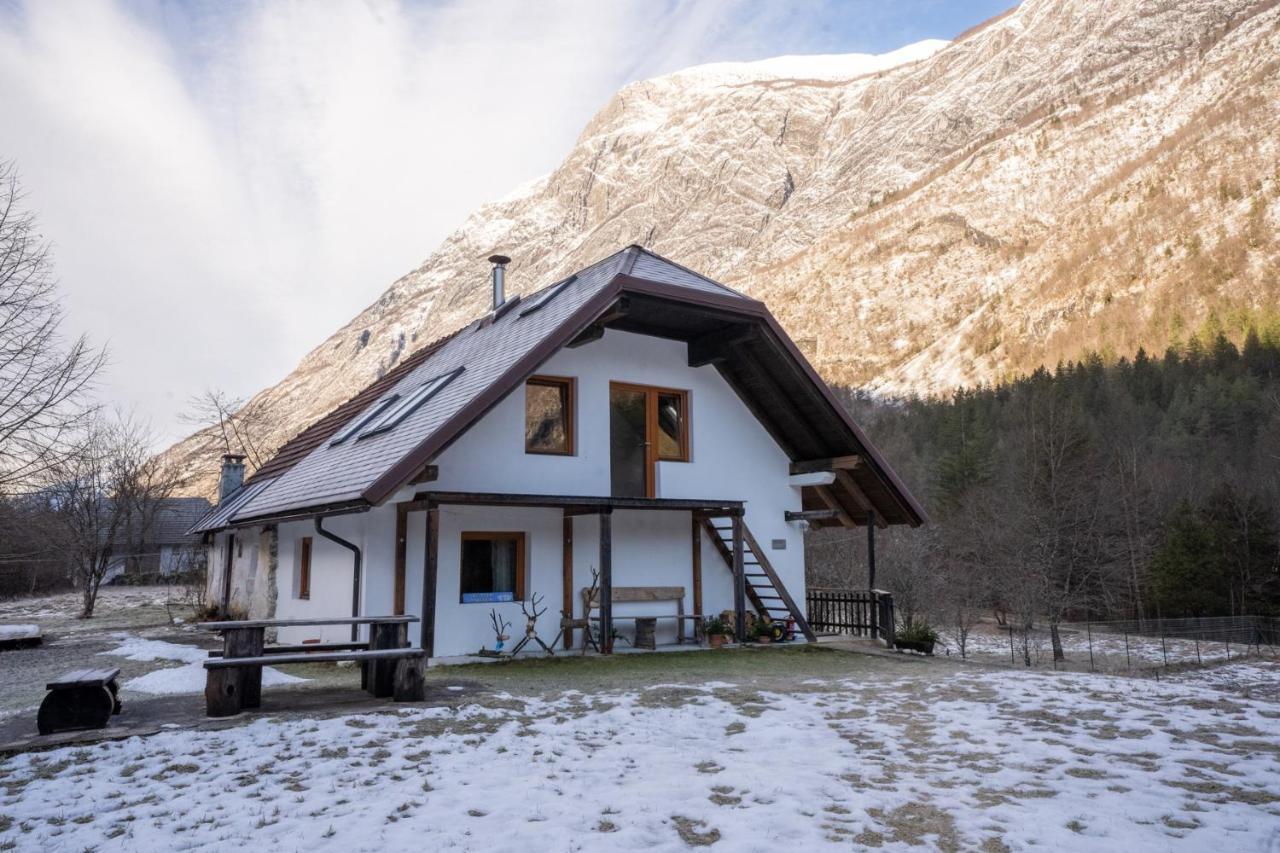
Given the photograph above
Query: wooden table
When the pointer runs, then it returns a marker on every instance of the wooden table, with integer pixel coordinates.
(247, 639)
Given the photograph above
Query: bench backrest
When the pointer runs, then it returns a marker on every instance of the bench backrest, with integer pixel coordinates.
(627, 594)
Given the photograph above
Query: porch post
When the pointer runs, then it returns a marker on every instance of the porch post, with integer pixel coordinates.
(431, 549)
(606, 581)
(567, 579)
(739, 581)
(697, 567)
(871, 572)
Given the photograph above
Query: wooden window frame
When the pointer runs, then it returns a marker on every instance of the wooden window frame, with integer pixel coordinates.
(570, 384)
(651, 455)
(305, 551)
(521, 563)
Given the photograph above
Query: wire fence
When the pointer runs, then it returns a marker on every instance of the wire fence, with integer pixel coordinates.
(1153, 645)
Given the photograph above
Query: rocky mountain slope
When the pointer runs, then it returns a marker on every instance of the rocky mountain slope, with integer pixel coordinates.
(1071, 175)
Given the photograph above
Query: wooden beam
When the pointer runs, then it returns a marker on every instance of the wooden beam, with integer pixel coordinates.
(834, 463)
(429, 566)
(718, 346)
(696, 525)
(595, 331)
(845, 479)
(402, 547)
(566, 577)
(428, 474)
(739, 582)
(606, 583)
(828, 497)
(812, 515)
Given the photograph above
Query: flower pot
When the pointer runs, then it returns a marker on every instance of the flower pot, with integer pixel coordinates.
(764, 639)
(716, 640)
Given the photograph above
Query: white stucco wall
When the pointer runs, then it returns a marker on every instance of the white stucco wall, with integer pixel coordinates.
(732, 457)
(253, 588)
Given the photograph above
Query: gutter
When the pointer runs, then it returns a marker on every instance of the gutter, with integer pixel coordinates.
(357, 557)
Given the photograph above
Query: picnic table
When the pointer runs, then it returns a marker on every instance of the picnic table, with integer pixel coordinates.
(234, 674)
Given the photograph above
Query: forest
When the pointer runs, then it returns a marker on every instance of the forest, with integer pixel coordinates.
(1102, 489)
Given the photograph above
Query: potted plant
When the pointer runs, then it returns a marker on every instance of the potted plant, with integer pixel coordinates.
(763, 632)
(918, 637)
(716, 630)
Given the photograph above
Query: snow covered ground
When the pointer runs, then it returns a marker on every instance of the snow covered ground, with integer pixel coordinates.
(951, 757)
(188, 678)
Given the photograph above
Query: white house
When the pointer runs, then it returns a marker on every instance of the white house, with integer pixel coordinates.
(635, 418)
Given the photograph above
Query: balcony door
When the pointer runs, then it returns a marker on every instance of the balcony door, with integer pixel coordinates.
(646, 424)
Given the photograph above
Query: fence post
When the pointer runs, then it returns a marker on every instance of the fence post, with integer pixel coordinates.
(1198, 661)
(1163, 649)
(1013, 661)
(1128, 664)
(1088, 628)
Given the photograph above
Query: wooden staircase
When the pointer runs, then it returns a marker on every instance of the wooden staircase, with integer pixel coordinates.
(764, 588)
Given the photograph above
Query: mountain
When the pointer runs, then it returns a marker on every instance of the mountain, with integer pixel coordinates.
(1070, 175)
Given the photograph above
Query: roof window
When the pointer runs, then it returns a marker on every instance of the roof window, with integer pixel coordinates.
(359, 421)
(546, 296)
(392, 417)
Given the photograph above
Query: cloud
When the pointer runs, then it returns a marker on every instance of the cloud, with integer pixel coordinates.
(224, 185)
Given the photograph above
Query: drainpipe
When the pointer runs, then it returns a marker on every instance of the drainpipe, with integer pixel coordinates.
(355, 572)
(227, 565)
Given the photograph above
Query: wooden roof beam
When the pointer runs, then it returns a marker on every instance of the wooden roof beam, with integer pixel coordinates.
(834, 463)
(717, 346)
(829, 498)
(845, 479)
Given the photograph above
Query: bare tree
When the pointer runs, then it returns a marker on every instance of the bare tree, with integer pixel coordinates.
(107, 493)
(240, 428)
(42, 376)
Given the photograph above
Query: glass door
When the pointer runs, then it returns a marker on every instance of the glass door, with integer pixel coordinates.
(645, 425)
(628, 442)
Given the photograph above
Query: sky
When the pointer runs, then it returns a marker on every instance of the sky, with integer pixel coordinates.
(224, 184)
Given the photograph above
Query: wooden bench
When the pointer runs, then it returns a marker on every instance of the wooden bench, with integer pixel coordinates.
(646, 625)
(234, 675)
(80, 699)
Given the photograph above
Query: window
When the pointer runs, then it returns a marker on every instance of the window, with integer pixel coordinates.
(304, 567)
(546, 295)
(357, 423)
(548, 415)
(391, 417)
(492, 567)
(646, 425)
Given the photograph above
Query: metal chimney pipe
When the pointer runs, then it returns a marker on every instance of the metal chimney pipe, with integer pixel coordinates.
(499, 279)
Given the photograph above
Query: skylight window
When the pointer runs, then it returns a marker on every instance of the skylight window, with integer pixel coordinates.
(392, 417)
(546, 296)
(358, 422)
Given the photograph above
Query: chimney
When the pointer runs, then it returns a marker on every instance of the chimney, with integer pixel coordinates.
(499, 279)
(232, 475)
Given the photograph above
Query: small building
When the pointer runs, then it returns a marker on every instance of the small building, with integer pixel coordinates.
(634, 421)
(160, 546)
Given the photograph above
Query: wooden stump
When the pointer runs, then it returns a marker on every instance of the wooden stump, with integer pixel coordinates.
(381, 674)
(75, 708)
(245, 643)
(646, 633)
(222, 692)
(409, 683)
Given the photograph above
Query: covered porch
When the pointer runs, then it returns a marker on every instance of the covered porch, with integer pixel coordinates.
(658, 544)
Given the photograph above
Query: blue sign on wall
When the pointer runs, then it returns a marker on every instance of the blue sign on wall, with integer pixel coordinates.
(487, 597)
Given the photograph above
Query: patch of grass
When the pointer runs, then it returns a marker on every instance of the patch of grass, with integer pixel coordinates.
(690, 833)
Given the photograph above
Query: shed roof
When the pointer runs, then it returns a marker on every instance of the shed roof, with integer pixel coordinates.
(634, 290)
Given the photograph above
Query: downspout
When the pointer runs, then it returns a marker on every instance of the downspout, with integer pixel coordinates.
(227, 566)
(355, 572)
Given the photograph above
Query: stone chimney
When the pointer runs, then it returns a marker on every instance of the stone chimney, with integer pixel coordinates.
(232, 475)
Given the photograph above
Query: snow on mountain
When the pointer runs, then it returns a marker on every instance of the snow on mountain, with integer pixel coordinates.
(1070, 175)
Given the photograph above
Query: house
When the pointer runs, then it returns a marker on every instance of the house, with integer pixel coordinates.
(159, 546)
(635, 419)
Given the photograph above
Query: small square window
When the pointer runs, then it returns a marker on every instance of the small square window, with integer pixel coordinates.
(493, 567)
(549, 415)
(304, 567)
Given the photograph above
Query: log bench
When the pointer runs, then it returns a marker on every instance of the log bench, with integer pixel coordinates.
(80, 699)
(646, 624)
(389, 668)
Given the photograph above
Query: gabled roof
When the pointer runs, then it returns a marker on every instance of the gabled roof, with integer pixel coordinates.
(634, 290)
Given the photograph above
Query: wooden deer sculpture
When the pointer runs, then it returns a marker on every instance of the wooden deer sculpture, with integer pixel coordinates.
(531, 627)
